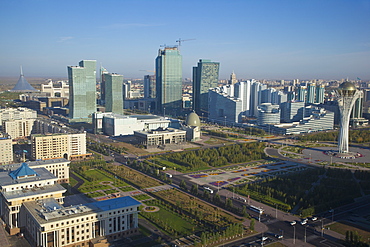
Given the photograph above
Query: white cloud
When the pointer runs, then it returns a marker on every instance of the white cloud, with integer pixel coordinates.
(64, 39)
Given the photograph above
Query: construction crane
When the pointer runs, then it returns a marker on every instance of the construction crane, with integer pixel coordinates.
(182, 40)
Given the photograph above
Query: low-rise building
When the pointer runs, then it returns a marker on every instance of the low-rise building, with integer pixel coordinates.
(160, 137)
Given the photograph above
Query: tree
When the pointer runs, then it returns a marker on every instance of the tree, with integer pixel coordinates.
(251, 224)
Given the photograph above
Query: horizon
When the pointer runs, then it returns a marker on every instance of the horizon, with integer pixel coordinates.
(256, 39)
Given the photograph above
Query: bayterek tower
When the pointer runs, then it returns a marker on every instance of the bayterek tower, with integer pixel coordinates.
(347, 96)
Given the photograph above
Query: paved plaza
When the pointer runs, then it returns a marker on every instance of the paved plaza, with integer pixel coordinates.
(317, 154)
(244, 173)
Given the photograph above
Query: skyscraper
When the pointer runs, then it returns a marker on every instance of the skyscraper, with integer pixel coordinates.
(113, 93)
(103, 72)
(205, 76)
(311, 93)
(169, 80)
(242, 90)
(82, 89)
(320, 94)
(301, 93)
(149, 86)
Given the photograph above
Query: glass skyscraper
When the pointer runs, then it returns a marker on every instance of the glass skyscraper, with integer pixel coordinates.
(82, 89)
(205, 76)
(169, 80)
(113, 93)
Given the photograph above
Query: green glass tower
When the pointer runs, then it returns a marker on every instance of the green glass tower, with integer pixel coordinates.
(82, 89)
(205, 76)
(169, 81)
(113, 93)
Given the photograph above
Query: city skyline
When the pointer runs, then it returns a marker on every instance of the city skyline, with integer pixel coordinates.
(255, 39)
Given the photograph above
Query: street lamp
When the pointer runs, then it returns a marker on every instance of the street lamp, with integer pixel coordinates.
(164, 111)
(305, 236)
(225, 121)
(293, 234)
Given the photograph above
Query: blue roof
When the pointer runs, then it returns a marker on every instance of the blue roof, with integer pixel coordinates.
(23, 172)
(111, 204)
(23, 85)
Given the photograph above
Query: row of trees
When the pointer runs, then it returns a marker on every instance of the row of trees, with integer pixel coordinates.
(210, 238)
(217, 157)
(356, 136)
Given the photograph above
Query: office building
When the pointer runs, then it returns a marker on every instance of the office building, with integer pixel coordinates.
(59, 145)
(113, 93)
(223, 108)
(292, 111)
(6, 149)
(103, 72)
(160, 137)
(169, 81)
(256, 97)
(82, 90)
(205, 76)
(149, 86)
(242, 90)
(58, 89)
(268, 114)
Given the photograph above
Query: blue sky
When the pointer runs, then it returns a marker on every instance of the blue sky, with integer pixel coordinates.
(276, 39)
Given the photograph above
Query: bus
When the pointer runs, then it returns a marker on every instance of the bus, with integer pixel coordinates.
(256, 209)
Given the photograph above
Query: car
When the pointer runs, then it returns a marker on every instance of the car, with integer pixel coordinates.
(278, 236)
(303, 222)
(264, 238)
(293, 223)
(314, 218)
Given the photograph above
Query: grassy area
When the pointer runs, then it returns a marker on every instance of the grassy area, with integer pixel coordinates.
(172, 220)
(342, 228)
(214, 141)
(142, 197)
(72, 181)
(95, 194)
(127, 188)
(276, 244)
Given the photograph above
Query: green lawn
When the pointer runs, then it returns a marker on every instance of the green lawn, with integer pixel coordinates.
(72, 181)
(142, 197)
(173, 220)
(342, 228)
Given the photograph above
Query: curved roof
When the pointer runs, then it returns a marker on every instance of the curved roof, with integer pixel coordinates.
(347, 86)
(23, 85)
(193, 120)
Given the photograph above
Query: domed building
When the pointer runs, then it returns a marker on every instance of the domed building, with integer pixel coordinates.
(192, 127)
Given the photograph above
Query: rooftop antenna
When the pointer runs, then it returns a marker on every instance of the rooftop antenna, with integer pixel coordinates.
(21, 70)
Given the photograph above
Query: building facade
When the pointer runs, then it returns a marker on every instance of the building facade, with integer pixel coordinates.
(205, 76)
(18, 128)
(9, 114)
(61, 89)
(223, 108)
(169, 81)
(149, 86)
(268, 114)
(113, 93)
(6, 149)
(59, 145)
(82, 90)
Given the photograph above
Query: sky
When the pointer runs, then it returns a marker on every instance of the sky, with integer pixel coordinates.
(260, 39)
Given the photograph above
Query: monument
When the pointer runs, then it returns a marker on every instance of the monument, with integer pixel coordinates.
(347, 95)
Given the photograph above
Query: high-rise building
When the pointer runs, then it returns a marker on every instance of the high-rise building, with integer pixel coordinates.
(6, 149)
(268, 114)
(205, 76)
(301, 93)
(242, 90)
(311, 93)
(256, 89)
(82, 90)
(113, 93)
(103, 72)
(320, 94)
(233, 79)
(19, 127)
(292, 111)
(149, 86)
(169, 80)
(224, 108)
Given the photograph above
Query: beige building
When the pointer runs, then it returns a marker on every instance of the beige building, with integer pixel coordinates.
(6, 150)
(58, 167)
(62, 89)
(31, 202)
(22, 185)
(155, 138)
(18, 128)
(8, 114)
(59, 145)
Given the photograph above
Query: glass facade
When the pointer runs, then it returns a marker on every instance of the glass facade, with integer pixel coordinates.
(205, 76)
(113, 93)
(169, 80)
(82, 89)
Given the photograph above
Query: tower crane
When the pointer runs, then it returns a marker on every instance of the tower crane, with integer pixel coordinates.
(182, 40)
